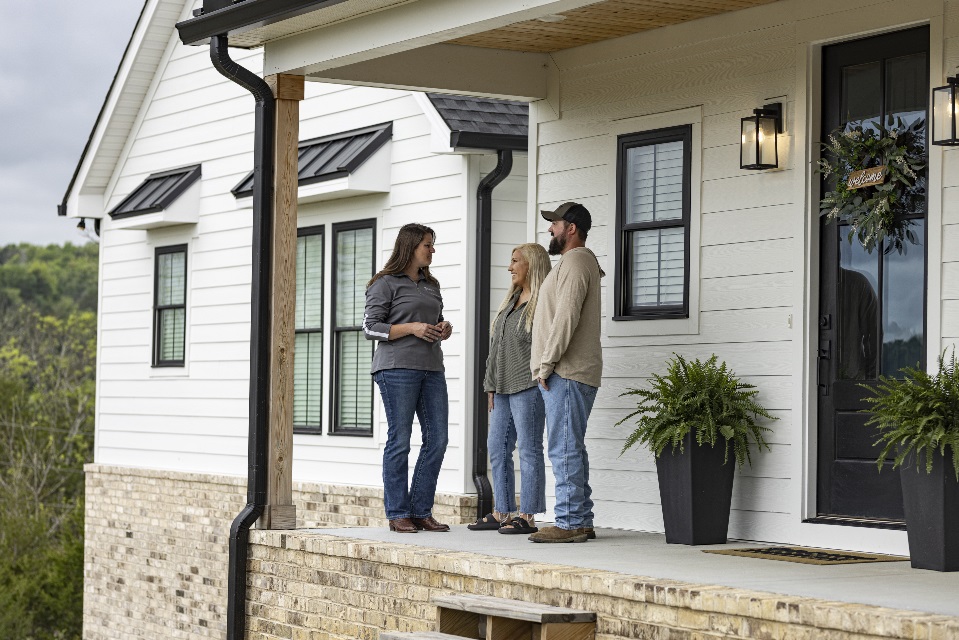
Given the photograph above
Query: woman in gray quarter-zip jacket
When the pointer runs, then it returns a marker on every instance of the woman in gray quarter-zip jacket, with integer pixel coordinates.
(404, 313)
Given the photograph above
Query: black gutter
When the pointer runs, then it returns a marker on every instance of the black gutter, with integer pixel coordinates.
(484, 228)
(477, 140)
(243, 15)
(263, 169)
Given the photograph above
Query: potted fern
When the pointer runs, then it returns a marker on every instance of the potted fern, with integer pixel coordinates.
(918, 420)
(702, 413)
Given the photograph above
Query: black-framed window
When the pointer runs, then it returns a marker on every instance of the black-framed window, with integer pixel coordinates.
(354, 246)
(308, 353)
(169, 306)
(652, 221)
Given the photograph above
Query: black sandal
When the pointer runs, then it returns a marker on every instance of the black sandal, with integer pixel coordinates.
(517, 526)
(486, 523)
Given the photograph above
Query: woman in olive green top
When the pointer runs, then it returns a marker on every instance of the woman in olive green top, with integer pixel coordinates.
(516, 406)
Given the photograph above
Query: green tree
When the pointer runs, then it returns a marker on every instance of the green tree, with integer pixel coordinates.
(52, 280)
(47, 393)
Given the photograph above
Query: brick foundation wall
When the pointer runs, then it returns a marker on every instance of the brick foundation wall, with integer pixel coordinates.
(310, 586)
(157, 543)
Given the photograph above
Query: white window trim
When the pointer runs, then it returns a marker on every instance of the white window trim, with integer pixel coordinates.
(660, 326)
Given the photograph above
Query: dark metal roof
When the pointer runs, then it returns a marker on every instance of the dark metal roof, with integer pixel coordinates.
(330, 157)
(484, 123)
(157, 192)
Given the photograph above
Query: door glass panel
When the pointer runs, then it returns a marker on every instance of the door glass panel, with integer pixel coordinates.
(906, 82)
(903, 302)
(858, 310)
(862, 93)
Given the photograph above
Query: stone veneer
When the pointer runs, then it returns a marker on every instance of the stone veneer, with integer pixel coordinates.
(312, 586)
(156, 567)
(157, 543)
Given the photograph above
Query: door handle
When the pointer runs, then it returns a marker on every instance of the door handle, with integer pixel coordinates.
(822, 359)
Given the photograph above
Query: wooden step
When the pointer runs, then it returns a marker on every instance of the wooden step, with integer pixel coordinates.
(488, 618)
(513, 609)
(417, 635)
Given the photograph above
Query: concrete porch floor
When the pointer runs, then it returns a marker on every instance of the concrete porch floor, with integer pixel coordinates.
(884, 584)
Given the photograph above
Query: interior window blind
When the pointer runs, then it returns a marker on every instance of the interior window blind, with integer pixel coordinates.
(655, 182)
(654, 193)
(171, 307)
(354, 386)
(308, 354)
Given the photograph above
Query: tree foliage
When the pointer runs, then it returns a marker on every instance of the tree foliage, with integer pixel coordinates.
(53, 280)
(47, 393)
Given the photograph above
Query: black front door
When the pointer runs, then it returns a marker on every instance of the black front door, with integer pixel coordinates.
(872, 305)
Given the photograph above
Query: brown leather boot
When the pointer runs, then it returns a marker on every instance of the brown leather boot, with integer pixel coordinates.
(429, 524)
(403, 525)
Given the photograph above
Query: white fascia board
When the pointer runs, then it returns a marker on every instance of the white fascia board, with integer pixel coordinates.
(85, 205)
(184, 210)
(439, 131)
(450, 68)
(148, 22)
(401, 28)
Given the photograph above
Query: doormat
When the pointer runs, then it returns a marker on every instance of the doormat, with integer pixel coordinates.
(806, 555)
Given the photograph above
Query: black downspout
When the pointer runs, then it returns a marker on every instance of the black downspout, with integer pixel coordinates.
(484, 227)
(263, 163)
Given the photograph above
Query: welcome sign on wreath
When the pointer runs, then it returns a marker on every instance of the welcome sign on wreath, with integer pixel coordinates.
(879, 177)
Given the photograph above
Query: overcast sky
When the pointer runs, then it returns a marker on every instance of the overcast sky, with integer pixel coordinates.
(57, 59)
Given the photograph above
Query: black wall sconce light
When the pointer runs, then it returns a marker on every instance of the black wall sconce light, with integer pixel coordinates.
(760, 138)
(944, 108)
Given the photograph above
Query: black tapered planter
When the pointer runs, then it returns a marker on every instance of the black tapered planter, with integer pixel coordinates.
(696, 491)
(931, 502)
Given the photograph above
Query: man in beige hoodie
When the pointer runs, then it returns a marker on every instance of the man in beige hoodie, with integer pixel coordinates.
(567, 360)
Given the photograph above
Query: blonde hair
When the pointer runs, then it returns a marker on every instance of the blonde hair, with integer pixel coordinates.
(539, 267)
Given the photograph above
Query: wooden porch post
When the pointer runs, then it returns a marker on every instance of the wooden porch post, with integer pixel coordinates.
(280, 512)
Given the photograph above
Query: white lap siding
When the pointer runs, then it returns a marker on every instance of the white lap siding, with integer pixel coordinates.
(194, 418)
(755, 232)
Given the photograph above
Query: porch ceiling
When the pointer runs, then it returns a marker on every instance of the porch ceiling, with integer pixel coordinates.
(601, 21)
(254, 23)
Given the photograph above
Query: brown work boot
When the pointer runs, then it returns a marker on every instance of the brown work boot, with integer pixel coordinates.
(555, 534)
(590, 533)
(429, 523)
(403, 525)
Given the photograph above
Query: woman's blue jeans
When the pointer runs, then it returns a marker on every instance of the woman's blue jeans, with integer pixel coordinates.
(518, 416)
(405, 393)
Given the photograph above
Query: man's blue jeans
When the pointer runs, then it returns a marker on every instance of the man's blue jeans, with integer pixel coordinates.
(518, 416)
(568, 404)
(406, 392)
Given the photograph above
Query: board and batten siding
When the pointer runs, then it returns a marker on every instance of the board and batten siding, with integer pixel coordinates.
(756, 231)
(194, 418)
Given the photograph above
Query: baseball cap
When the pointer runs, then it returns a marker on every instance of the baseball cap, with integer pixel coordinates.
(570, 212)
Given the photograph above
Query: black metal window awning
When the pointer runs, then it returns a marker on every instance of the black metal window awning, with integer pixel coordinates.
(157, 192)
(331, 157)
(484, 123)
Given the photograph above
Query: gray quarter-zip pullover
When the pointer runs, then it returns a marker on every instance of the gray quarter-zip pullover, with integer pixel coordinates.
(395, 299)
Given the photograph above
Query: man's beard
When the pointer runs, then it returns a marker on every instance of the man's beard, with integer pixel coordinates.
(556, 245)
